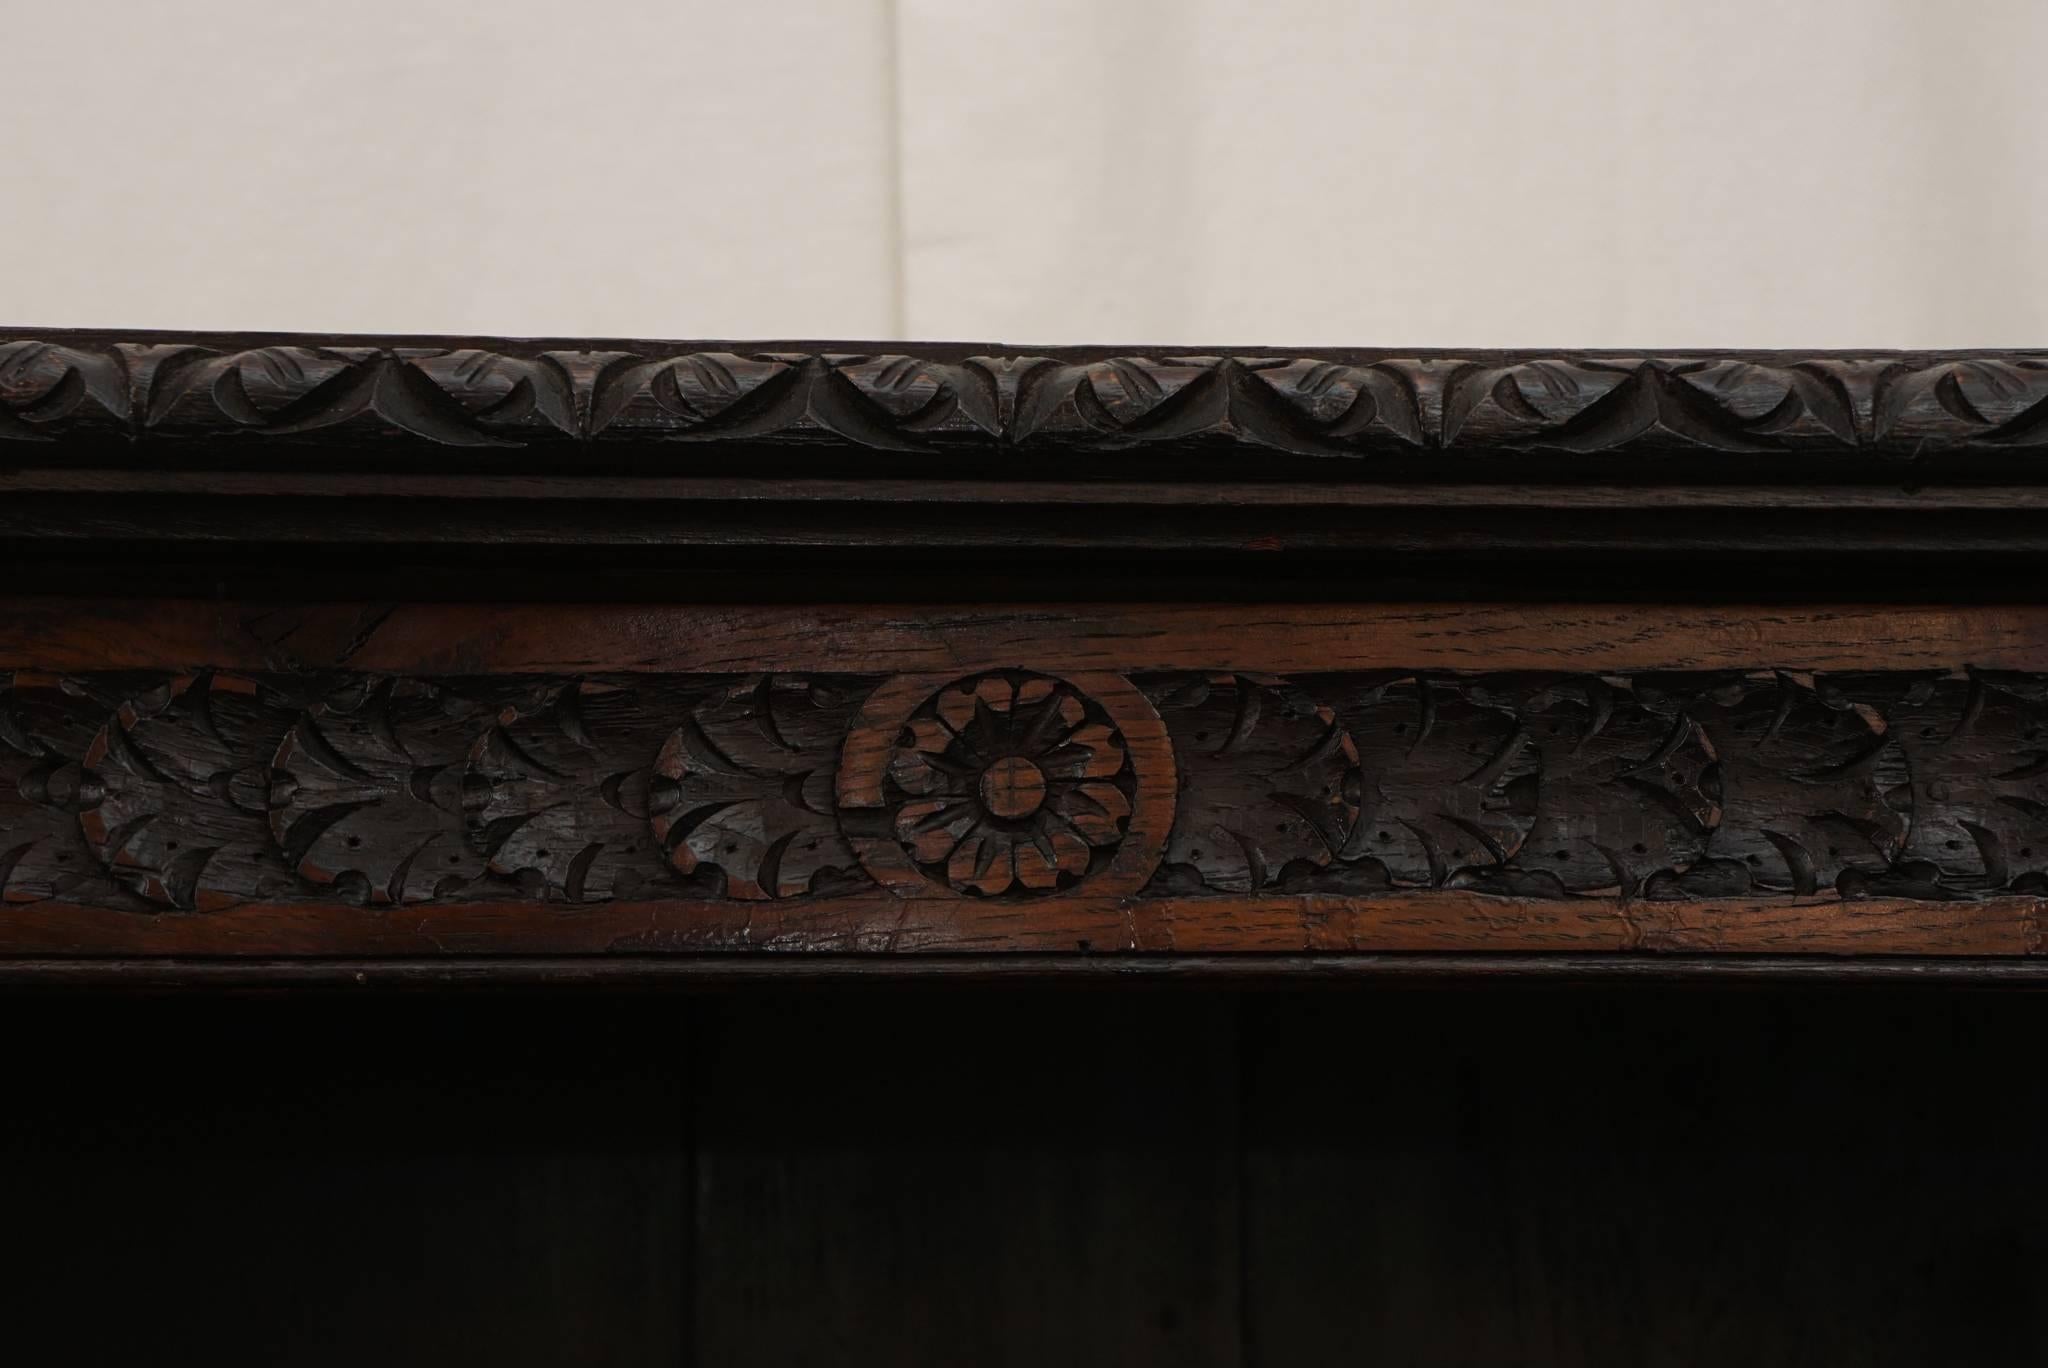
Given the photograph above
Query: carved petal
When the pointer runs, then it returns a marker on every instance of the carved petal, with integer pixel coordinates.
(918, 768)
(958, 706)
(933, 827)
(1092, 752)
(1096, 810)
(1051, 851)
(985, 862)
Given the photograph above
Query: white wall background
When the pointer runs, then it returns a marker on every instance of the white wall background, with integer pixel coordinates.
(1412, 172)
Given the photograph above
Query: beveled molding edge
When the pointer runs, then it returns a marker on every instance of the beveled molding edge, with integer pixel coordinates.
(912, 399)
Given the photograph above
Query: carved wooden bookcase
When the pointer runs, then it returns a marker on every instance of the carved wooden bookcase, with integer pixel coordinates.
(437, 657)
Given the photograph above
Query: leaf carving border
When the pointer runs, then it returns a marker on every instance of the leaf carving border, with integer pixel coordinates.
(197, 792)
(501, 394)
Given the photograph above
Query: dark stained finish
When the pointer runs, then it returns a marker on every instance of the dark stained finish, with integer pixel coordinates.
(663, 471)
(71, 635)
(1452, 921)
(1561, 718)
(1585, 1178)
(404, 393)
(1062, 1195)
(300, 1184)
(385, 647)
(1638, 1180)
(1875, 811)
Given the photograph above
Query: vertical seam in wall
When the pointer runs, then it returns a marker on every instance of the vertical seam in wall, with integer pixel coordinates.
(892, 113)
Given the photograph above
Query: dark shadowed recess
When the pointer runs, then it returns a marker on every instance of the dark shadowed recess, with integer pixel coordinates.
(1672, 573)
(1595, 1175)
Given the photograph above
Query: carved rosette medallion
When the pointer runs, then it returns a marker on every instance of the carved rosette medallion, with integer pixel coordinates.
(1007, 784)
(1010, 783)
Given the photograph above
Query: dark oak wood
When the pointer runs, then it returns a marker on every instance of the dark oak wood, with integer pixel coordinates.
(410, 647)
(674, 471)
(72, 635)
(1586, 709)
(755, 802)
(407, 393)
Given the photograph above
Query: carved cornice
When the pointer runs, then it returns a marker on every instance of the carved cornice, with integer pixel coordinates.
(494, 393)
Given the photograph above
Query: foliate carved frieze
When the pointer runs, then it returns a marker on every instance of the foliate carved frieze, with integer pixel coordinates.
(506, 394)
(202, 791)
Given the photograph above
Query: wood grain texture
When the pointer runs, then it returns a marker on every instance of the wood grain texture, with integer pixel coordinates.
(1450, 922)
(52, 634)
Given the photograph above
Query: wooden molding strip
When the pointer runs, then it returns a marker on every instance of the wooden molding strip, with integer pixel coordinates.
(1413, 922)
(223, 462)
(399, 393)
(62, 635)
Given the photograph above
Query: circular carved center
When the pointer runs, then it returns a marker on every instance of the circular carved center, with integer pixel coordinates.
(1009, 784)
(1012, 788)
